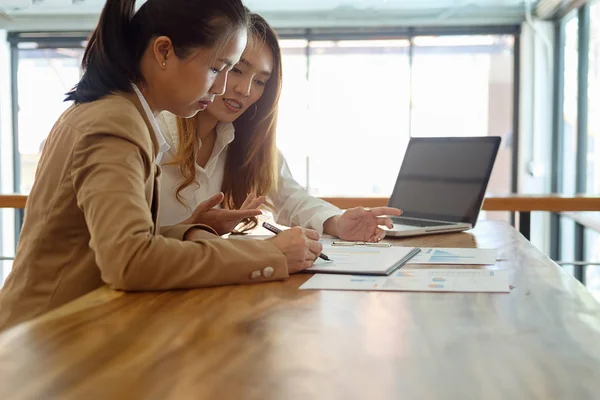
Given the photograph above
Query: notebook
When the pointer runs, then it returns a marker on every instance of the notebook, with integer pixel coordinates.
(363, 260)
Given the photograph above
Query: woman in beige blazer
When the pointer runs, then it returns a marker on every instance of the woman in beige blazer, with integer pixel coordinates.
(91, 215)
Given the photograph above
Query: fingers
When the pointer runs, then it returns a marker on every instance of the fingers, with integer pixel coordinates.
(251, 197)
(210, 203)
(240, 214)
(259, 201)
(385, 222)
(252, 201)
(313, 235)
(386, 211)
(312, 253)
(377, 236)
(314, 249)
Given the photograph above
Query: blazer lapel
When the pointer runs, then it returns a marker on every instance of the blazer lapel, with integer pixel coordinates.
(132, 97)
(154, 189)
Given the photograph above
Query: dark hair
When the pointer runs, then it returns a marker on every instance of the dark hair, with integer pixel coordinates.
(111, 61)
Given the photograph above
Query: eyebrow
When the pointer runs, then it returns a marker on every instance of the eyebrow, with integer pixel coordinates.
(246, 63)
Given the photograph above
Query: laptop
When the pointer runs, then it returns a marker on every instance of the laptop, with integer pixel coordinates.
(442, 184)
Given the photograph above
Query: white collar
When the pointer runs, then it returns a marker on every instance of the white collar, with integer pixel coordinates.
(225, 132)
(163, 146)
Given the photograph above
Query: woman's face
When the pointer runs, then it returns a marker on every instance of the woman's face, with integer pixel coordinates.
(245, 84)
(193, 82)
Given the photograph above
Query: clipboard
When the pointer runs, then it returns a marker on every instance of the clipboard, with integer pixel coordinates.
(363, 260)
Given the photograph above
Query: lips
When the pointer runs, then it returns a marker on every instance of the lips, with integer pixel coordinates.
(233, 105)
(203, 104)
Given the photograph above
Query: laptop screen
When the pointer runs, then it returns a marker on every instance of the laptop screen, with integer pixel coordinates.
(445, 178)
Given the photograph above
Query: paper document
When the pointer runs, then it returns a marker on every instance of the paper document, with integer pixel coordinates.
(417, 280)
(251, 237)
(363, 260)
(455, 256)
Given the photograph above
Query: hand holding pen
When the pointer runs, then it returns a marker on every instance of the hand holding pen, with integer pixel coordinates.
(300, 246)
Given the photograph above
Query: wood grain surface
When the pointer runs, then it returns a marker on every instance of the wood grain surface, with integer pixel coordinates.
(273, 341)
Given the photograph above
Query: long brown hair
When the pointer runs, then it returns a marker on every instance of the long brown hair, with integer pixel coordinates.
(252, 163)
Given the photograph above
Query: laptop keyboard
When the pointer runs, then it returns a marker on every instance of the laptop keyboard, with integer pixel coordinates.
(418, 222)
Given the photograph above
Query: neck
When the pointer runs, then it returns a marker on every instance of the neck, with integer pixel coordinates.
(207, 125)
(147, 93)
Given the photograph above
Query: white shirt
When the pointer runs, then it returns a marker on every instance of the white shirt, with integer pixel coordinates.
(163, 146)
(293, 205)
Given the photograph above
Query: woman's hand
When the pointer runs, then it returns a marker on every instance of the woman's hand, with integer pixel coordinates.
(361, 224)
(222, 220)
(300, 247)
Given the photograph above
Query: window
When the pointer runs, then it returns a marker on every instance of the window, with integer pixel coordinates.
(593, 157)
(463, 86)
(358, 108)
(293, 134)
(45, 73)
(579, 27)
(592, 239)
(5, 267)
(357, 103)
(44, 76)
(570, 113)
(569, 150)
(353, 98)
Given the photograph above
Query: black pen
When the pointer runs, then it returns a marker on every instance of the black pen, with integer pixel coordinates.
(276, 230)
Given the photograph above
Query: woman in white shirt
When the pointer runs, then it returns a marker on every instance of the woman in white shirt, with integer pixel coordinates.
(227, 155)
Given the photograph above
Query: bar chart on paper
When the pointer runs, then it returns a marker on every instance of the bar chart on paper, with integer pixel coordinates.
(455, 256)
(439, 280)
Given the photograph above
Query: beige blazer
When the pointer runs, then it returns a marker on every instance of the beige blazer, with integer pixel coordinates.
(91, 219)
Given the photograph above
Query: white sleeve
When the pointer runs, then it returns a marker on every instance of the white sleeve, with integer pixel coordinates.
(295, 207)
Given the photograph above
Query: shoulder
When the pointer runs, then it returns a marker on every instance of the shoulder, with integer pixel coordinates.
(113, 111)
(111, 106)
(111, 115)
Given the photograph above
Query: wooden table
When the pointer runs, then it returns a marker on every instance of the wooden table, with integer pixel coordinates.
(521, 204)
(273, 341)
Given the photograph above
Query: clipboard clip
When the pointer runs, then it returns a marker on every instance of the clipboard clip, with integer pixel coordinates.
(342, 243)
